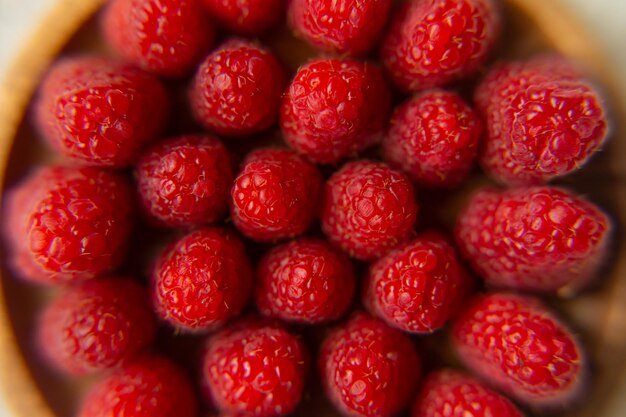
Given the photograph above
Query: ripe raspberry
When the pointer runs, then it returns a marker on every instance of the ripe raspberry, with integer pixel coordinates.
(351, 27)
(534, 238)
(434, 138)
(276, 195)
(246, 17)
(185, 181)
(435, 42)
(335, 108)
(543, 120)
(167, 37)
(237, 88)
(202, 280)
(517, 344)
(418, 286)
(368, 209)
(148, 387)
(96, 325)
(304, 281)
(369, 369)
(255, 369)
(453, 394)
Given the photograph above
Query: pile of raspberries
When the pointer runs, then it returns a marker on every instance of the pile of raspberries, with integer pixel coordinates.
(296, 260)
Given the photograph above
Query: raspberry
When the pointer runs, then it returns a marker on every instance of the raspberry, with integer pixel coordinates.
(185, 181)
(96, 325)
(534, 238)
(369, 369)
(543, 120)
(255, 369)
(453, 394)
(418, 286)
(435, 42)
(368, 209)
(148, 387)
(167, 37)
(275, 195)
(334, 108)
(517, 344)
(237, 88)
(304, 281)
(202, 280)
(434, 138)
(351, 27)
(246, 17)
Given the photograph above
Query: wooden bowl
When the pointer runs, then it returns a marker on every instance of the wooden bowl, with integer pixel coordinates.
(31, 390)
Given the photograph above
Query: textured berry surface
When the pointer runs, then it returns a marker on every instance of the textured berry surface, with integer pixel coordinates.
(148, 387)
(449, 393)
(368, 368)
(305, 281)
(534, 238)
(202, 280)
(276, 195)
(368, 209)
(255, 369)
(334, 108)
(434, 138)
(351, 27)
(96, 325)
(237, 88)
(435, 42)
(167, 37)
(185, 181)
(543, 120)
(517, 344)
(99, 112)
(246, 17)
(418, 286)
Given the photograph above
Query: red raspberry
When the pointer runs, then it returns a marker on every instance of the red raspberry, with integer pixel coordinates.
(255, 369)
(202, 280)
(276, 195)
(368, 209)
(96, 325)
(543, 120)
(148, 387)
(435, 42)
(351, 26)
(418, 286)
(434, 138)
(453, 394)
(246, 17)
(534, 238)
(167, 37)
(369, 369)
(304, 281)
(185, 181)
(335, 108)
(237, 88)
(517, 344)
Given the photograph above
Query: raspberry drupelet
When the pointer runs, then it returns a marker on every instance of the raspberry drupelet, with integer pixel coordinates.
(369, 369)
(166, 37)
(246, 17)
(185, 181)
(276, 195)
(368, 209)
(434, 137)
(237, 89)
(304, 281)
(435, 42)
(335, 108)
(201, 280)
(544, 120)
(96, 325)
(536, 238)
